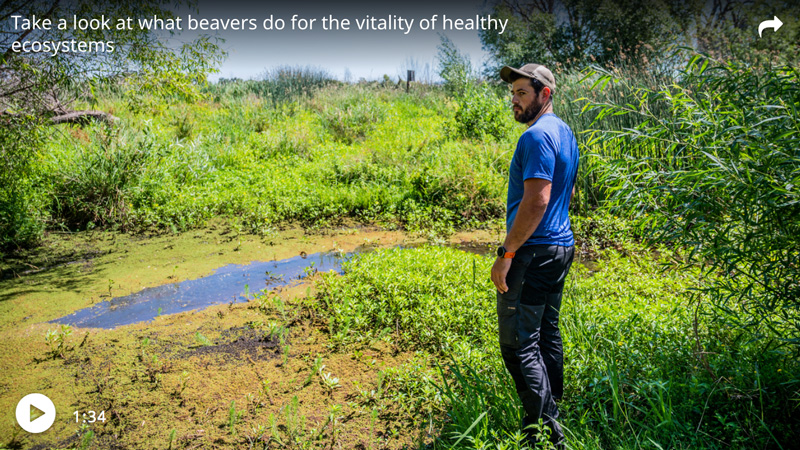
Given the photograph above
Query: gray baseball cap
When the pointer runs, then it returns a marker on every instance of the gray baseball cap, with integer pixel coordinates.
(535, 71)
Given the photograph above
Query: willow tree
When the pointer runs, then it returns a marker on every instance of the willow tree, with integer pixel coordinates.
(36, 86)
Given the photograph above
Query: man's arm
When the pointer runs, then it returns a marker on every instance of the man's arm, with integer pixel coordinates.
(535, 198)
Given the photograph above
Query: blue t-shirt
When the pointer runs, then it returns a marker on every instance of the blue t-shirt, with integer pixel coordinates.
(548, 150)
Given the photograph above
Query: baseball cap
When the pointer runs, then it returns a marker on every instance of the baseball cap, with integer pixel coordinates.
(536, 71)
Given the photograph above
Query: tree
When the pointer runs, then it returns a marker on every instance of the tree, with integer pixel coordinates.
(574, 33)
(38, 86)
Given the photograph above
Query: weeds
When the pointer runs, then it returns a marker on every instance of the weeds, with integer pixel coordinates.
(316, 367)
(329, 382)
(202, 340)
(183, 383)
(624, 325)
(234, 417)
(57, 340)
(172, 434)
(86, 439)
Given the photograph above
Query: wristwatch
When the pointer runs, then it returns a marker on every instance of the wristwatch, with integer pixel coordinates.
(503, 253)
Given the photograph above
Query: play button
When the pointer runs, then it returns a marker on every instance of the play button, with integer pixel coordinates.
(35, 413)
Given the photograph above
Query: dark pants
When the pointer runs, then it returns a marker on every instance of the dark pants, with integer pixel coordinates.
(530, 341)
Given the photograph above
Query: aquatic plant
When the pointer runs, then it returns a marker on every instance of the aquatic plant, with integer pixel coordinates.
(233, 417)
(202, 340)
(329, 382)
(57, 340)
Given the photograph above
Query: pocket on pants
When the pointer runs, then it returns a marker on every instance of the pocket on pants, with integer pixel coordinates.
(530, 322)
(507, 314)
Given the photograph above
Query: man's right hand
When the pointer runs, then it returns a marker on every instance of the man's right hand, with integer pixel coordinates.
(499, 272)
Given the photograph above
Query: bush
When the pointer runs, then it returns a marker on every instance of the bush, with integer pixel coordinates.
(90, 187)
(483, 115)
(21, 212)
(722, 179)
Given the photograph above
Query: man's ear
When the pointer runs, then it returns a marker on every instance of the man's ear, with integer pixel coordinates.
(546, 92)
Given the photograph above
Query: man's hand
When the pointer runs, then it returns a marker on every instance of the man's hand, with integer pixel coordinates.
(499, 272)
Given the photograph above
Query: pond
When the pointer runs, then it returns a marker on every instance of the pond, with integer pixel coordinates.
(232, 283)
(226, 285)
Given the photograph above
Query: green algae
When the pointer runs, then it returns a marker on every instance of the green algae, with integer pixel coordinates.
(152, 378)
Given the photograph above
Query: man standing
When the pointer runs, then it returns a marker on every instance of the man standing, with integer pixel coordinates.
(537, 253)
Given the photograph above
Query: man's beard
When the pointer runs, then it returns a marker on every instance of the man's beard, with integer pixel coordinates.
(529, 113)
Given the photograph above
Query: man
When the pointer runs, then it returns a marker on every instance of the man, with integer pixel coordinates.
(537, 252)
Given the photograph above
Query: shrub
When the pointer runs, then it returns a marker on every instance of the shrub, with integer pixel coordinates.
(720, 176)
(21, 212)
(90, 186)
(483, 115)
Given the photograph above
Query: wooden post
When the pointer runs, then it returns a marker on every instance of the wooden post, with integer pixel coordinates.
(409, 79)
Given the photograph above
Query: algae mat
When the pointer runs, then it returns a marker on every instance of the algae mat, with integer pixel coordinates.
(259, 374)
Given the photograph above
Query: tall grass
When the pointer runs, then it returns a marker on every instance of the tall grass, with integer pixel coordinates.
(643, 370)
(277, 85)
(713, 165)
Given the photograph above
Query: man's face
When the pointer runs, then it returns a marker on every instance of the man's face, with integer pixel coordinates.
(525, 102)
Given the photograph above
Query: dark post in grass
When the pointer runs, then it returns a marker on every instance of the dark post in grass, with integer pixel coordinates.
(409, 79)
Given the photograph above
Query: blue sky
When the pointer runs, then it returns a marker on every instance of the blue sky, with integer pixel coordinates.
(362, 54)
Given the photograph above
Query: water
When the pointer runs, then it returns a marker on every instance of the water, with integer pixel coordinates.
(225, 285)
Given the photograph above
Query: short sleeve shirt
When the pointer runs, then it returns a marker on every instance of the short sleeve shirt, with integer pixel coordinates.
(547, 150)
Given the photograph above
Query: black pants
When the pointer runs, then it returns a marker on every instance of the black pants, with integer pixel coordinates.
(530, 341)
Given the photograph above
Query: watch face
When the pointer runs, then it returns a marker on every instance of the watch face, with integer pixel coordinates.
(501, 251)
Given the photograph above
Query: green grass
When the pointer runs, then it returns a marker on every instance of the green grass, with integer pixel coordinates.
(358, 152)
(649, 365)
(645, 367)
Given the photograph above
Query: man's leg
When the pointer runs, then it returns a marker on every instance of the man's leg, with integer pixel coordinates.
(537, 398)
(540, 342)
(550, 339)
(552, 347)
(508, 315)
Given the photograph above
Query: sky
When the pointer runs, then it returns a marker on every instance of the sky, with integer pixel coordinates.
(365, 54)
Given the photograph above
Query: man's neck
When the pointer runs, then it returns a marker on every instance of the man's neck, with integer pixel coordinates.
(548, 108)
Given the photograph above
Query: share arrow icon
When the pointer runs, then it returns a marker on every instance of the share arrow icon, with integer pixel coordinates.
(774, 24)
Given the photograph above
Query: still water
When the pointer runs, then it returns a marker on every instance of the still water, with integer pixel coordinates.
(227, 284)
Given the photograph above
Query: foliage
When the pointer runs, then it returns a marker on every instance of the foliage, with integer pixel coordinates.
(615, 33)
(278, 85)
(480, 113)
(608, 32)
(57, 340)
(34, 86)
(403, 301)
(483, 115)
(455, 68)
(37, 82)
(722, 178)
(347, 151)
(643, 365)
(21, 221)
(351, 115)
(90, 188)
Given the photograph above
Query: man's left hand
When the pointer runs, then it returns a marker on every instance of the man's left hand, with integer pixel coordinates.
(499, 272)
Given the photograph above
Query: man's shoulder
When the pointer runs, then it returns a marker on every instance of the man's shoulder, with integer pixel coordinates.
(549, 122)
(549, 125)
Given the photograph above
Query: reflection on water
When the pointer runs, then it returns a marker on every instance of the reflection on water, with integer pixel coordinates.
(225, 285)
